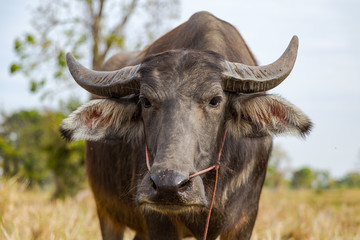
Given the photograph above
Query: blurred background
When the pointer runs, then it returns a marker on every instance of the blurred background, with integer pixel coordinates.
(37, 92)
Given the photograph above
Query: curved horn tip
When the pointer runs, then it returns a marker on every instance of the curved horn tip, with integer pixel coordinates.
(70, 58)
(294, 41)
(70, 61)
(262, 78)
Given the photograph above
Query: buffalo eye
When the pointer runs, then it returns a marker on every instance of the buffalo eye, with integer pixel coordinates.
(145, 102)
(215, 101)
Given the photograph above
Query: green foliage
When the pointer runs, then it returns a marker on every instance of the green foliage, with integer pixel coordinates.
(350, 180)
(91, 29)
(66, 161)
(70, 105)
(274, 178)
(32, 149)
(17, 45)
(322, 180)
(303, 178)
(61, 59)
(30, 39)
(21, 130)
(311, 179)
(118, 41)
(14, 67)
(277, 168)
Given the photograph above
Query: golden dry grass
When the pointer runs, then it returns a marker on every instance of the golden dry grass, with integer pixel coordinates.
(305, 214)
(284, 214)
(31, 215)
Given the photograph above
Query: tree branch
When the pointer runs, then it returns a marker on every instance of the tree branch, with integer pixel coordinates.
(96, 24)
(119, 28)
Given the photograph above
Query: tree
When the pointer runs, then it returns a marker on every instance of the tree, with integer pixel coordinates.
(20, 133)
(32, 149)
(8, 158)
(277, 168)
(89, 29)
(303, 178)
(64, 160)
(351, 180)
(322, 180)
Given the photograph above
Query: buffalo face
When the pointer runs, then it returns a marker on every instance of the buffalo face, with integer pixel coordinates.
(183, 109)
(180, 103)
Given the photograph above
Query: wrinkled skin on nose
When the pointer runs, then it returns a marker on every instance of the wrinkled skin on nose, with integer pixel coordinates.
(173, 159)
(181, 120)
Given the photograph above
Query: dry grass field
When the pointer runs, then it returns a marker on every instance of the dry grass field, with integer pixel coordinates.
(305, 214)
(284, 214)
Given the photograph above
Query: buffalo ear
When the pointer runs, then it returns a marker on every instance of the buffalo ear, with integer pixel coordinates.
(103, 120)
(257, 115)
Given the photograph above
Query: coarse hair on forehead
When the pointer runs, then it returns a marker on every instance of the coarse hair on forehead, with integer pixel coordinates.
(182, 60)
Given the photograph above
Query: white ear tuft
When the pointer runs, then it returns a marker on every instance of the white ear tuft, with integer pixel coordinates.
(103, 120)
(262, 115)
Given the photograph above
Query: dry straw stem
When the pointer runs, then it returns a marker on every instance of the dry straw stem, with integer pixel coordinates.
(283, 214)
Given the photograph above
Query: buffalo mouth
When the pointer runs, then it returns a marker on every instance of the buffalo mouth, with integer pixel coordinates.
(169, 208)
(165, 198)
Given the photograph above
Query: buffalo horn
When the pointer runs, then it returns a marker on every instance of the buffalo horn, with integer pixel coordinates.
(118, 83)
(242, 78)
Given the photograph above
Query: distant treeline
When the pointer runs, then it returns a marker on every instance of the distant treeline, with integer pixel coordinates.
(311, 179)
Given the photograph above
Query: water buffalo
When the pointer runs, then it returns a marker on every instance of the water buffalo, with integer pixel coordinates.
(160, 120)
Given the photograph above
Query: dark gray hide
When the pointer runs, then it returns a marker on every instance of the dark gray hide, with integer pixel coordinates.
(182, 102)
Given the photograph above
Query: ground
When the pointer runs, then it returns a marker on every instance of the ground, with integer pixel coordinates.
(283, 214)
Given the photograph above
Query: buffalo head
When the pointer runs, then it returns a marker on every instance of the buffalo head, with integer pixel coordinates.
(180, 103)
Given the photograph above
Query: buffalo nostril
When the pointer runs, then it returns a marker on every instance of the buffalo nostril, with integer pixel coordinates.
(169, 181)
(153, 184)
(184, 185)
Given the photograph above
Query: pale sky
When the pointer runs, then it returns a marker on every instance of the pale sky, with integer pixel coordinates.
(323, 83)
